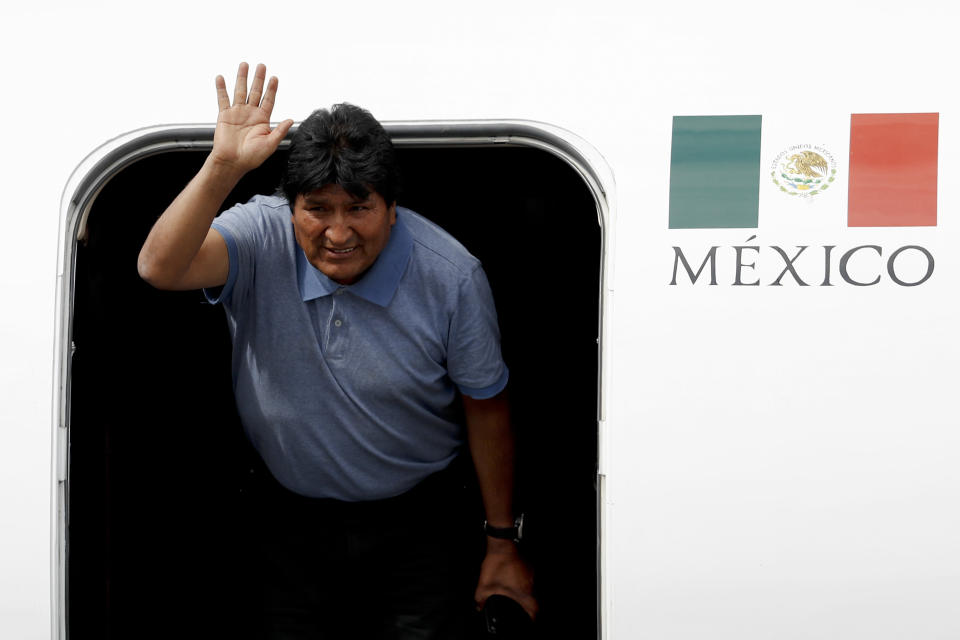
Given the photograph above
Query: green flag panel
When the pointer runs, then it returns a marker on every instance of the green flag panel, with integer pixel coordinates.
(715, 172)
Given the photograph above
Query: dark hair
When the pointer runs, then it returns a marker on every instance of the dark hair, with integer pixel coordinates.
(344, 146)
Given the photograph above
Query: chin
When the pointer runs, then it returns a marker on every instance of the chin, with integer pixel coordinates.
(342, 278)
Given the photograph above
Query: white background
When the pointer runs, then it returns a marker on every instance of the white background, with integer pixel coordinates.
(783, 462)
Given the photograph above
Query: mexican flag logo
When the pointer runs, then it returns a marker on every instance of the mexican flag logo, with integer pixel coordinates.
(862, 170)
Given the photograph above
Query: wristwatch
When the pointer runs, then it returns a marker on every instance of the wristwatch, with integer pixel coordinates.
(514, 533)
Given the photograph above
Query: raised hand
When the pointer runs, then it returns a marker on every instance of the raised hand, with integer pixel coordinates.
(243, 139)
(182, 251)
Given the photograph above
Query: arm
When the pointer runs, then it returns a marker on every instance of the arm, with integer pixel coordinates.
(492, 447)
(182, 251)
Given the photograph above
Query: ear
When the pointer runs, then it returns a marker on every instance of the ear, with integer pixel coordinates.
(392, 211)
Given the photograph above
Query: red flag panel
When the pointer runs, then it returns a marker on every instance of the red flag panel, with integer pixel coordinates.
(893, 170)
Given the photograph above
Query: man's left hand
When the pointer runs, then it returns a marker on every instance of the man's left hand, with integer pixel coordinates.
(504, 572)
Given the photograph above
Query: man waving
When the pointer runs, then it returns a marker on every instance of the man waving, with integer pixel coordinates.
(359, 331)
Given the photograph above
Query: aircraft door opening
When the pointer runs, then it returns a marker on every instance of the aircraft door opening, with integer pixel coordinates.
(156, 452)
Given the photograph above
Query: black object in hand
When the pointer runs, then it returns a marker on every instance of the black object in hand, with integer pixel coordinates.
(504, 618)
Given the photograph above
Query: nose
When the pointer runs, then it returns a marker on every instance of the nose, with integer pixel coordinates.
(338, 233)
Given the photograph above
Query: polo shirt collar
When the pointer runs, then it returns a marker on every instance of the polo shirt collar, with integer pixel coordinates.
(377, 285)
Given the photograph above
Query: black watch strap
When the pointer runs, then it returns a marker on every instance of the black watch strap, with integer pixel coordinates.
(514, 533)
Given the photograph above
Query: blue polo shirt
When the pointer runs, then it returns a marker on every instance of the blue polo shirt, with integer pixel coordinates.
(349, 392)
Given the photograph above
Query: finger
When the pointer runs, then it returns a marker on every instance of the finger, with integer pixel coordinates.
(270, 96)
(223, 100)
(530, 606)
(280, 132)
(240, 88)
(256, 89)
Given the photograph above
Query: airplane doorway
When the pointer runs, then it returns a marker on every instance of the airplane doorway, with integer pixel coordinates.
(156, 452)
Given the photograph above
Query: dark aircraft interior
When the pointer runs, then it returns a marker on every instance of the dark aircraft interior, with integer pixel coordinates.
(156, 451)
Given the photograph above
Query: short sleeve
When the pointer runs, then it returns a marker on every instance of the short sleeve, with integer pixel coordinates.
(474, 361)
(242, 229)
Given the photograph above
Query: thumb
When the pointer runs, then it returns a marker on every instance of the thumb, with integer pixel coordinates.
(280, 132)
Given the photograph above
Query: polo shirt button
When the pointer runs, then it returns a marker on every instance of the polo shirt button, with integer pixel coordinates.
(337, 323)
(338, 292)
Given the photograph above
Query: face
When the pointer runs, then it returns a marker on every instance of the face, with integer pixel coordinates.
(340, 234)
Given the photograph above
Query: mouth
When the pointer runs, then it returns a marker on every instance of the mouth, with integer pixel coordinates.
(340, 252)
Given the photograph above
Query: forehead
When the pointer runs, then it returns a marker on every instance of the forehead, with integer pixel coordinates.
(334, 193)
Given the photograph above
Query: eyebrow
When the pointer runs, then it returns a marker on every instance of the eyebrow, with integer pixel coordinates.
(312, 200)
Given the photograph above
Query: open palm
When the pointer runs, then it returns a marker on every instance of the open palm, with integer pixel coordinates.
(243, 138)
